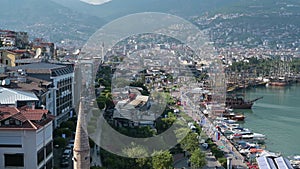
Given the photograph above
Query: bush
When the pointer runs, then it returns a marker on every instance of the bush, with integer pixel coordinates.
(214, 149)
(223, 161)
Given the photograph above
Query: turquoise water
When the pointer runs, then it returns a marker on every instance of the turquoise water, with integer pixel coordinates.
(277, 116)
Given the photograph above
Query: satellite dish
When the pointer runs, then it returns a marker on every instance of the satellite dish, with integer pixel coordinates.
(38, 53)
(3, 82)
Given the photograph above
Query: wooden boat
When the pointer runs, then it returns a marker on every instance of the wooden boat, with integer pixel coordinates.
(240, 103)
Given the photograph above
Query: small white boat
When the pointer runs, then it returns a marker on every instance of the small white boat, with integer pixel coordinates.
(247, 135)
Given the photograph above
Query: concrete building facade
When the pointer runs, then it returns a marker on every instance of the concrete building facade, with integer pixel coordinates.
(26, 138)
(60, 98)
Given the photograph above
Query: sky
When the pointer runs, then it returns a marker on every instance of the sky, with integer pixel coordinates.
(96, 2)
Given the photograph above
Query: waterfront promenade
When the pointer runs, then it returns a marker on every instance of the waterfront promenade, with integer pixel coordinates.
(209, 128)
(223, 143)
(212, 162)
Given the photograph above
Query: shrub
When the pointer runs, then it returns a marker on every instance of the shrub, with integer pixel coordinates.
(223, 161)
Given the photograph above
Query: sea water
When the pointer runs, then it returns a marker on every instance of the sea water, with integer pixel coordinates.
(277, 116)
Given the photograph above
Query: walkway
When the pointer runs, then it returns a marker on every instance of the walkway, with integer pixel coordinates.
(212, 163)
(225, 144)
(95, 154)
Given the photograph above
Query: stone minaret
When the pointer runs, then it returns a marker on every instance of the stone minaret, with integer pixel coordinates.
(81, 151)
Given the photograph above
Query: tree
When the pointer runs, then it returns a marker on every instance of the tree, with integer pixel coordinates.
(60, 141)
(162, 160)
(101, 101)
(198, 159)
(169, 120)
(60, 131)
(190, 143)
(68, 124)
(140, 154)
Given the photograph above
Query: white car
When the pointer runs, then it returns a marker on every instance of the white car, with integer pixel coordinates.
(67, 153)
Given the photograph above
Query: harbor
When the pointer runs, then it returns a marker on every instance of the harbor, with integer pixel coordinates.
(268, 130)
(277, 116)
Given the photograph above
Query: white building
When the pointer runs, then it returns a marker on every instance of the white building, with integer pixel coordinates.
(25, 138)
(60, 98)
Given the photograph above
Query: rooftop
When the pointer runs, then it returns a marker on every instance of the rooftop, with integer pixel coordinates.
(11, 96)
(23, 118)
(45, 68)
(40, 65)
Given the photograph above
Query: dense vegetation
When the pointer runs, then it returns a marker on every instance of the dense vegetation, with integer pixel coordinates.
(158, 160)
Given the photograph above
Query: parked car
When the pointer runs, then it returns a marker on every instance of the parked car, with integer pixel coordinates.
(64, 162)
(71, 143)
(69, 146)
(67, 153)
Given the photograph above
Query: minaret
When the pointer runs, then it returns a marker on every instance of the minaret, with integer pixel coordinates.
(81, 151)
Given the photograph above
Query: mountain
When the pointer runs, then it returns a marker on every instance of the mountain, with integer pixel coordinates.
(74, 21)
(118, 8)
(261, 6)
(47, 19)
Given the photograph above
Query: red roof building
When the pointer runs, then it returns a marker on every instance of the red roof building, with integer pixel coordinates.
(26, 138)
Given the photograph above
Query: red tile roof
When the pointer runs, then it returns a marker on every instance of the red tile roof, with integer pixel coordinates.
(6, 112)
(30, 118)
(19, 116)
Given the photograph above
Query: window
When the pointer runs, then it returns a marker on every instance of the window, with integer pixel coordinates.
(49, 148)
(6, 122)
(11, 145)
(49, 164)
(40, 155)
(6, 62)
(15, 160)
(12, 122)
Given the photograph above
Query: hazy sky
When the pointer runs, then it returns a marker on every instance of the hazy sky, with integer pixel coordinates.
(95, 2)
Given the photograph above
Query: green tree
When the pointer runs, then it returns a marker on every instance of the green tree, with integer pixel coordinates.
(162, 160)
(190, 143)
(170, 119)
(140, 154)
(60, 141)
(60, 131)
(197, 159)
(68, 124)
(101, 101)
(164, 123)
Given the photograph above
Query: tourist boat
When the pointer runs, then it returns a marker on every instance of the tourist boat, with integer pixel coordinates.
(277, 83)
(239, 102)
(295, 161)
(247, 135)
(238, 117)
(281, 81)
(234, 116)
